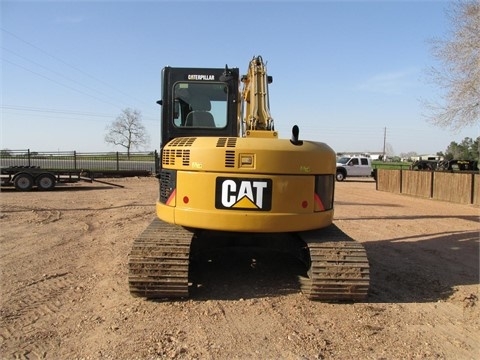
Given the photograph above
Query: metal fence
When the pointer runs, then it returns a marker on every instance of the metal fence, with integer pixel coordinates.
(94, 161)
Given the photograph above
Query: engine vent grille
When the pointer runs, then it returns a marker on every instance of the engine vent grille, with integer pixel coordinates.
(229, 158)
(170, 155)
(183, 141)
(227, 142)
(167, 184)
(230, 142)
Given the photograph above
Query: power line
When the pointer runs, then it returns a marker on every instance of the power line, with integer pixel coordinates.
(67, 112)
(53, 111)
(70, 65)
(59, 83)
(58, 74)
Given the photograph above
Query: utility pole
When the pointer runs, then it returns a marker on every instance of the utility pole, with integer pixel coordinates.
(384, 141)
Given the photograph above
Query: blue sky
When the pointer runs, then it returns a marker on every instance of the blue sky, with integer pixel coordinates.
(343, 70)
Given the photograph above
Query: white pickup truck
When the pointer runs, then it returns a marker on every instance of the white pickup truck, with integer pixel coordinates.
(354, 166)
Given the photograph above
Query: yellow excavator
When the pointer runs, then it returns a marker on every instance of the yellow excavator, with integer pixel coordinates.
(226, 177)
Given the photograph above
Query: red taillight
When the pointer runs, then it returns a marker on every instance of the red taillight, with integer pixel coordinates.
(324, 189)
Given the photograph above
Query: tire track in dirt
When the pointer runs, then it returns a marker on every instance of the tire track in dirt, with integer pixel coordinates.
(445, 328)
(222, 330)
(249, 278)
(302, 337)
(29, 308)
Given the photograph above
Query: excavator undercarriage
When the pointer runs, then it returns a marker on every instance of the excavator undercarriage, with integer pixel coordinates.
(337, 267)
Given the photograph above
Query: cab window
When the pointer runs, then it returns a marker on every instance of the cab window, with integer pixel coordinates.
(200, 105)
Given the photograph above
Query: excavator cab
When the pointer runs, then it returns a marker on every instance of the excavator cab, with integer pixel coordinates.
(199, 102)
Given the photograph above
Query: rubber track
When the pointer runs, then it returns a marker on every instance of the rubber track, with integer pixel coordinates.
(339, 267)
(159, 260)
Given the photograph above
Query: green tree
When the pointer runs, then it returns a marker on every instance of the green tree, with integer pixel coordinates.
(468, 149)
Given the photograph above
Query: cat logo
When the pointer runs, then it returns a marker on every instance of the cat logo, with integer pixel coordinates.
(243, 194)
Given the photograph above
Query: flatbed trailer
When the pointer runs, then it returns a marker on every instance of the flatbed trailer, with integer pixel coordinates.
(25, 178)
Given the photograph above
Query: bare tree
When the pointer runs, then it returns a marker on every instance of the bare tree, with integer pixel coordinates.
(458, 74)
(128, 131)
(389, 150)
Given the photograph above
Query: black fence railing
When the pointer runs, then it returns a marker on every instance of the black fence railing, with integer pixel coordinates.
(94, 161)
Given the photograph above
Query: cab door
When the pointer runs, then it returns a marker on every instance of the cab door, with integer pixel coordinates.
(354, 167)
(364, 168)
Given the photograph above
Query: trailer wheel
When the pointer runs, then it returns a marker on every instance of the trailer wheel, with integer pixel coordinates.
(23, 182)
(45, 182)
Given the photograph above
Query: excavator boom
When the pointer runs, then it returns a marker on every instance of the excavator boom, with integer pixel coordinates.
(255, 97)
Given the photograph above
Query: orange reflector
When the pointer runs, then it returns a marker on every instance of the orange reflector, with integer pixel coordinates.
(171, 197)
(318, 203)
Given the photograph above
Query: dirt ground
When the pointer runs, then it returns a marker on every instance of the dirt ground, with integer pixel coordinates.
(64, 291)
